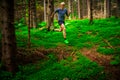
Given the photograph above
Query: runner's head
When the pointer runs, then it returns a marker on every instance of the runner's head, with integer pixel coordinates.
(62, 5)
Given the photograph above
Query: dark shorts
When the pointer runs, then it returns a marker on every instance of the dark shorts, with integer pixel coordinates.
(61, 22)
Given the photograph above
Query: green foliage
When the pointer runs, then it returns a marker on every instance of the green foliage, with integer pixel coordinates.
(5, 75)
(116, 60)
(80, 35)
(42, 24)
(106, 51)
(66, 68)
(20, 23)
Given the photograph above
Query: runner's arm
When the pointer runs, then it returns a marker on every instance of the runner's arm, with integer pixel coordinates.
(68, 13)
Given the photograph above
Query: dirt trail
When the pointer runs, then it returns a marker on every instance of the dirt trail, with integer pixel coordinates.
(103, 60)
(25, 57)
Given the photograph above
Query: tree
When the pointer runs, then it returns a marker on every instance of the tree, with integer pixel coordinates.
(101, 8)
(84, 8)
(51, 10)
(8, 36)
(0, 32)
(29, 22)
(32, 19)
(19, 9)
(69, 6)
(72, 9)
(107, 9)
(24, 10)
(90, 11)
(34, 13)
(79, 9)
(45, 12)
(118, 8)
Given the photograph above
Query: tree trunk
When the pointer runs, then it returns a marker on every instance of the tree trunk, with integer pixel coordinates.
(72, 10)
(75, 9)
(34, 14)
(29, 22)
(90, 11)
(102, 9)
(45, 12)
(31, 14)
(70, 7)
(19, 9)
(83, 8)
(118, 8)
(79, 9)
(107, 9)
(24, 10)
(51, 10)
(8, 37)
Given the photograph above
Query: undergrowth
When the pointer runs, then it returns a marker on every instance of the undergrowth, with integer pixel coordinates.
(103, 33)
(52, 69)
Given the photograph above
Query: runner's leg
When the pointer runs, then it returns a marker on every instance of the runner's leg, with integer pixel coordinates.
(64, 30)
(59, 30)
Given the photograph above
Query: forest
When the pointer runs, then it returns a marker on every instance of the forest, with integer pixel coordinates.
(59, 39)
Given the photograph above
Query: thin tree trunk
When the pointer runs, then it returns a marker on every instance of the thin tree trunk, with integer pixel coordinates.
(45, 8)
(31, 13)
(118, 8)
(19, 9)
(70, 7)
(24, 10)
(90, 12)
(79, 9)
(102, 10)
(83, 8)
(34, 14)
(75, 9)
(29, 22)
(51, 10)
(8, 37)
(107, 4)
(47, 11)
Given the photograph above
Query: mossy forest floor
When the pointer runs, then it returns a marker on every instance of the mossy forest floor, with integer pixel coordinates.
(92, 54)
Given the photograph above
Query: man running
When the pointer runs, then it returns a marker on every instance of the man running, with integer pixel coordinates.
(62, 11)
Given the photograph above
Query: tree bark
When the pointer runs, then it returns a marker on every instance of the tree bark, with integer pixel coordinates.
(8, 37)
(45, 11)
(70, 7)
(79, 9)
(29, 22)
(107, 9)
(34, 14)
(83, 8)
(24, 10)
(19, 9)
(102, 9)
(72, 10)
(51, 10)
(90, 11)
(118, 8)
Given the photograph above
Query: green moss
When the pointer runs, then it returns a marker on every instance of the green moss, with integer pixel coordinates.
(68, 69)
(80, 35)
(106, 51)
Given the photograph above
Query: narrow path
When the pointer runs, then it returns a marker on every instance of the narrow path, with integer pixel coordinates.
(62, 52)
(103, 60)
